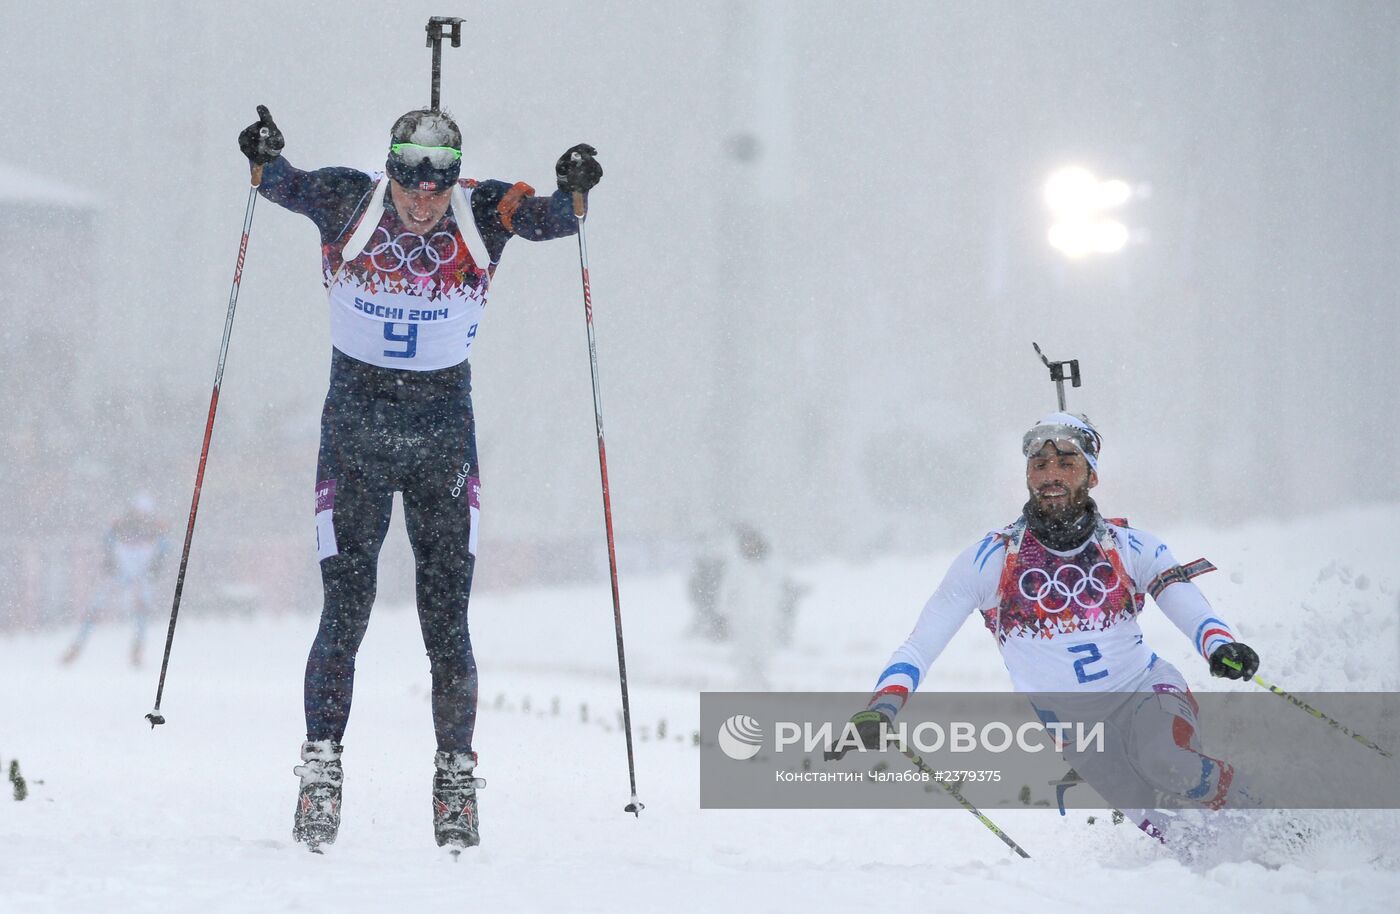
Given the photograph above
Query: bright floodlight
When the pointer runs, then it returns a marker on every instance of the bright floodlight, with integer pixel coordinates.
(1077, 199)
(1070, 190)
(1076, 238)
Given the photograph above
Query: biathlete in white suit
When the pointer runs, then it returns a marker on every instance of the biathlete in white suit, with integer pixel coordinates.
(1060, 590)
(407, 258)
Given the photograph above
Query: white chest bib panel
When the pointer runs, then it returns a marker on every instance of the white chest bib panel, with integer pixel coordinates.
(408, 301)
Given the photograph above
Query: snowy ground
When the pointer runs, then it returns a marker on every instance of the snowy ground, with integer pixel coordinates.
(196, 815)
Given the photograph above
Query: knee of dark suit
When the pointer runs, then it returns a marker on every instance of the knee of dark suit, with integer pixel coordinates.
(349, 583)
(444, 564)
(351, 561)
(339, 635)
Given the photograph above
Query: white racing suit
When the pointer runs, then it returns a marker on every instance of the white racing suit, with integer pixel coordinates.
(1066, 623)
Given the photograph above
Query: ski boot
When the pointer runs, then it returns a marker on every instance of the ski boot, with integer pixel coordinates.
(454, 800)
(318, 802)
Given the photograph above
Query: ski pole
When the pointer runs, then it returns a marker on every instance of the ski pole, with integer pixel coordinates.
(581, 213)
(155, 717)
(953, 792)
(1299, 703)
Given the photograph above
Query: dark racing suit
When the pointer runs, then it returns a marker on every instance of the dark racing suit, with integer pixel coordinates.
(398, 416)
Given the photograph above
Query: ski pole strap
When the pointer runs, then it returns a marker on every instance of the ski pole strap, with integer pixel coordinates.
(1178, 574)
(1299, 703)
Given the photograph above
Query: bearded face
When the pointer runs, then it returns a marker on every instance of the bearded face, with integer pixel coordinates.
(1059, 479)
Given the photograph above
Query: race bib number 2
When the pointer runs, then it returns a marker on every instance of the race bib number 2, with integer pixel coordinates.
(1081, 666)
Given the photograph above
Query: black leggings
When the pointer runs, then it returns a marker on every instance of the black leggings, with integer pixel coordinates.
(386, 430)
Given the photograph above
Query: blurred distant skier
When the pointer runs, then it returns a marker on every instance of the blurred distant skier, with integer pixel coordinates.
(1060, 589)
(703, 586)
(407, 258)
(751, 599)
(135, 547)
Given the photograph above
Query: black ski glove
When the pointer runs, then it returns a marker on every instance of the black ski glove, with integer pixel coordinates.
(869, 726)
(577, 171)
(261, 142)
(1245, 661)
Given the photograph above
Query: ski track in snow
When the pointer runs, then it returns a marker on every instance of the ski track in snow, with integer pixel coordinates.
(197, 814)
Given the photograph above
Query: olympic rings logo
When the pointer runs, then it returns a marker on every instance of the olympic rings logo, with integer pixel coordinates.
(1070, 583)
(422, 256)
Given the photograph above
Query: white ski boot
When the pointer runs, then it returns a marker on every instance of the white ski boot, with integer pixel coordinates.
(455, 822)
(318, 802)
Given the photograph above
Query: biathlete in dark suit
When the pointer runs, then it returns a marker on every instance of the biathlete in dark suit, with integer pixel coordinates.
(407, 259)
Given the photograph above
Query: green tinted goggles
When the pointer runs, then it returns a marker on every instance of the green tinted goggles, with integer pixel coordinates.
(438, 156)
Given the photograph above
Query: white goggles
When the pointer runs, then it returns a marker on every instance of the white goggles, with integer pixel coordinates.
(1085, 441)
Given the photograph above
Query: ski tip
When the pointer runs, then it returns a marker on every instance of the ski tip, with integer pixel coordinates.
(155, 717)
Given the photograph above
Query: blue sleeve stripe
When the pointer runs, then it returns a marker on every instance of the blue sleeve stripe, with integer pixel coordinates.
(885, 706)
(1000, 544)
(1202, 627)
(907, 669)
(1213, 643)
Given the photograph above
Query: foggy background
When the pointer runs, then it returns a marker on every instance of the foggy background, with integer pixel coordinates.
(819, 258)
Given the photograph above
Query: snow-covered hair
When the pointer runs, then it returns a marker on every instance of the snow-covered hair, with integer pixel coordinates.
(426, 127)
